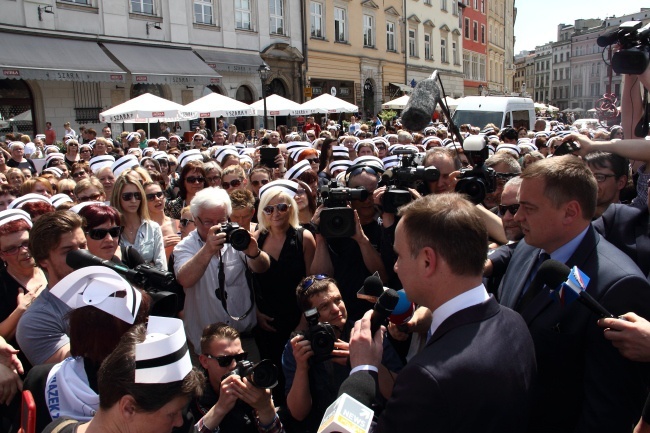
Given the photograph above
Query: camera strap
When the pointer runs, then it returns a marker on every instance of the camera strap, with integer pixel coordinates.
(222, 295)
(641, 129)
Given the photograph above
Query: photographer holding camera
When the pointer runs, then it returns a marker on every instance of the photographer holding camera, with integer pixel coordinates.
(348, 238)
(211, 264)
(230, 403)
(315, 362)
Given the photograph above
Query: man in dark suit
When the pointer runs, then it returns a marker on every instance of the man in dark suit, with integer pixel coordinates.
(584, 384)
(475, 372)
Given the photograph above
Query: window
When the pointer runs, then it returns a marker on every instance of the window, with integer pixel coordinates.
(243, 14)
(412, 52)
(482, 34)
(316, 14)
(476, 4)
(142, 7)
(443, 50)
(427, 47)
(390, 36)
(203, 11)
(475, 75)
(339, 25)
(482, 6)
(454, 7)
(78, 2)
(466, 70)
(466, 28)
(481, 64)
(454, 52)
(443, 5)
(475, 31)
(368, 31)
(427, 2)
(276, 10)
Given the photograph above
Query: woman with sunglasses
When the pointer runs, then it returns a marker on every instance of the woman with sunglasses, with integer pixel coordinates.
(85, 152)
(89, 190)
(80, 170)
(156, 205)
(71, 152)
(233, 178)
(291, 250)
(21, 281)
(191, 181)
(140, 232)
(212, 173)
(259, 177)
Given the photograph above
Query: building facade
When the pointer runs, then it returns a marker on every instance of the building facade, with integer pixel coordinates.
(543, 61)
(587, 66)
(68, 60)
(509, 46)
(561, 67)
(496, 47)
(474, 18)
(519, 78)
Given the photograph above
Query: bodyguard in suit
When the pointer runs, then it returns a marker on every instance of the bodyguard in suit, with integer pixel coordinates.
(583, 383)
(475, 371)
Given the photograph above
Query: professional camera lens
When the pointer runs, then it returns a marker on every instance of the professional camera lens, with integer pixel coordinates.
(240, 238)
(264, 374)
(322, 343)
(337, 223)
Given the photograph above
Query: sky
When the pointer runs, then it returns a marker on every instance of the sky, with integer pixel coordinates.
(537, 22)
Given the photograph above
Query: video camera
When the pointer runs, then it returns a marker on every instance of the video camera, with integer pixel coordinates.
(320, 335)
(478, 181)
(238, 237)
(634, 56)
(264, 374)
(337, 221)
(408, 174)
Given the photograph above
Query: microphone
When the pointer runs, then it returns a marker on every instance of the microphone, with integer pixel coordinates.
(422, 103)
(384, 307)
(403, 311)
(607, 39)
(347, 415)
(78, 259)
(568, 285)
(372, 288)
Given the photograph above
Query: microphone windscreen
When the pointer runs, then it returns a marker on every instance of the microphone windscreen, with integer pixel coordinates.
(553, 273)
(403, 311)
(77, 259)
(372, 287)
(388, 300)
(421, 105)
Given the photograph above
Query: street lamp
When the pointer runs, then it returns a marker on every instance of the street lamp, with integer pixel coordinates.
(480, 90)
(264, 70)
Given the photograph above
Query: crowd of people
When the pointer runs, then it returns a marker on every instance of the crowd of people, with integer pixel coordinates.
(268, 233)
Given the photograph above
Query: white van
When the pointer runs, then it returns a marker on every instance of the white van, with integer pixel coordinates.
(501, 110)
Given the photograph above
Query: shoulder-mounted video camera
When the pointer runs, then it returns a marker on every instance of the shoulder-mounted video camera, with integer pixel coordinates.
(337, 221)
(407, 174)
(478, 181)
(634, 56)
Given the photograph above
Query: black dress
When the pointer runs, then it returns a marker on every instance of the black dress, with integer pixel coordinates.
(276, 297)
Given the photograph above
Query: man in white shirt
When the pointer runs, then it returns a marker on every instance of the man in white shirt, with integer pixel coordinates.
(198, 259)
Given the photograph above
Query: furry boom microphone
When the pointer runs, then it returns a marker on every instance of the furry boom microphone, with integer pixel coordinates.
(422, 103)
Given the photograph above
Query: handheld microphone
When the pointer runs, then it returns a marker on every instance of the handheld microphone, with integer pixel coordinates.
(572, 286)
(403, 311)
(372, 288)
(422, 103)
(383, 309)
(347, 415)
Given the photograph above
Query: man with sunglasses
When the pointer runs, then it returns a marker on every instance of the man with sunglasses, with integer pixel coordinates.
(232, 403)
(506, 168)
(213, 273)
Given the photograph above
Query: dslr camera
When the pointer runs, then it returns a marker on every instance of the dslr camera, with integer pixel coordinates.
(264, 374)
(634, 56)
(407, 174)
(238, 237)
(337, 221)
(320, 335)
(480, 180)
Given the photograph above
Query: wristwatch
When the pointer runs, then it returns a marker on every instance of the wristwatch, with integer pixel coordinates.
(202, 428)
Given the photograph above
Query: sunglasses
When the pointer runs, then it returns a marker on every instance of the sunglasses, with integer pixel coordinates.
(154, 195)
(281, 207)
(128, 196)
(513, 208)
(195, 179)
(381, 147)
(93, 197)
(67, 191)
(313, 160)
(184, 222)
(306, 284)
(85, 151)
(198, 139)
(226, 360)
(78, 174)
(258, 182)
(213, 179)
(14, 250)
(99, 234)
(232, 184)
(301, 191)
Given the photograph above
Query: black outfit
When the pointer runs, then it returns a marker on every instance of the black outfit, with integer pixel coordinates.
(627, 228)
(500, 257)
(276, 297)
(27, 164)
(9, 288)
(474, 375)
(349, 269)
(68, 163)
(241, 419)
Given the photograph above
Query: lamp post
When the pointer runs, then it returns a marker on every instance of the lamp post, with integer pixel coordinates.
(264, 70)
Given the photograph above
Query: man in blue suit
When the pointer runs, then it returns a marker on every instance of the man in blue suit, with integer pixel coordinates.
(476, 370)
(584, 384)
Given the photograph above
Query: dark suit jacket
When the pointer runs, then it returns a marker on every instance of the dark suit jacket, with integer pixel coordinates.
(584, 384)
(474, 375)
(627, 228)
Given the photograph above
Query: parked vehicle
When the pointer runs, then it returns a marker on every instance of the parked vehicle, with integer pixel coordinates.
(501, 110)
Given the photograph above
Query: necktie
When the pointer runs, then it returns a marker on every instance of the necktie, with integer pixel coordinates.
(529, 295)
